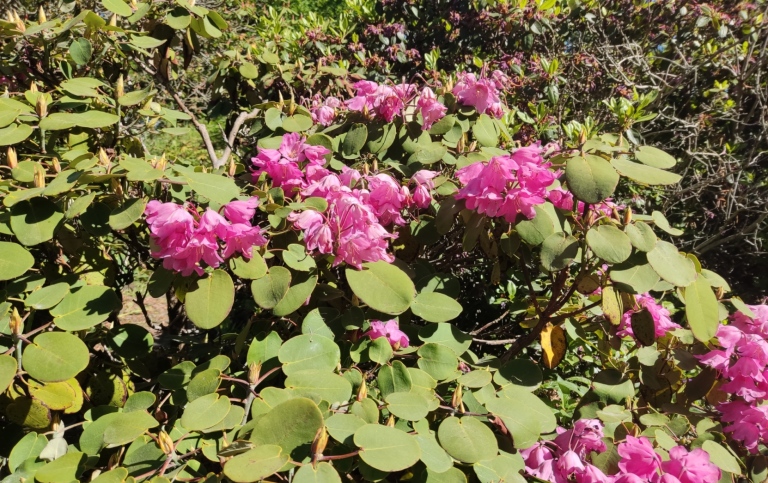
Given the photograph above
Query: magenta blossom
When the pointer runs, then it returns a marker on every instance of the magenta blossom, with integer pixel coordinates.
(389, 329)
(284, 165)
(241, 211)
(324, 111)
(431, 110)
(639, 458)
(481, 93)
(691, 467)
(661, 320)
(380, 100)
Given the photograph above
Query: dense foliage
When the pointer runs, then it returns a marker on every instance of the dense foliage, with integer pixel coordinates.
(306, 296)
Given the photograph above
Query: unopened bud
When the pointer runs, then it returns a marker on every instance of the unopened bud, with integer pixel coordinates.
(33, 87)
(391, 421)
(117, 188)
(366, 169)
(165, 442)
(120, 88)
(56, 165)
(281, 102)
(627, 216)
(113, 20)
(114, 460)
(160, 163)
(41, 107)
(103, 158)
(254, 373)
(472, 146)
(41, 18)
(9, 16)
(719, 291)
(12, 161)
(232, 168)
(16, 324)
(362, 391)
(19, 22)
(39, 177)
(320, 442)
(457, 397)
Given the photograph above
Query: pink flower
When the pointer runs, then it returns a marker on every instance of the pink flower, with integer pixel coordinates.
(748, 423)
(539, 461)
(241, 211)
(482, 94)
(585, 437)
(422, 196)
(431, 110)
(661, 320)
(387, 198)
(591, 474)
(242, 237)
(629, 478)
(284, 165)
(380, 100)
(324, 111)
(389, 329)
(691, 467)
(638, 457)
(561, 198)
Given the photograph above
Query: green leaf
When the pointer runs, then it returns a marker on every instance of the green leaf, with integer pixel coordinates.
(521, 373)
(89, 119)
(322, 473)
(590, 178)
(428, 154)
(467, 439)
(205, 412)
(525, 415)
(435, 307)
(85, 307)
(7, 371)
(28, 447)
(291, 425)
(321, 385)
(35, 221)
(81, 51)
(134, 97)
(671, 265)
(661, 222)
(55, 357)
(701, 309)
(127, 427)
(252, 269)
(558, 251)
(611, 385)
(385, 448)
(62, 470)
(118, 7)
(273, 118)
(303, 284)
(609, 243)
(641, 236)
(354, 140)
(485, 131)
(270, 289)
(636, 275)
(410, 406)
(127, 214)
(382, 286)
(14, 134)
(217, 188)
(447, 335)
(209, 301)
(394, 378)
(255, 464)
(504, 468)
(437, 360)
(476, 379)
(644, 174)
(433, 455)
(249, 70)
(721, 457)
(297, 123)
(544, 224)
(342, 427)
(309, 352)
(654, 157)
(178, 18)
(15, 260)
(297, 258)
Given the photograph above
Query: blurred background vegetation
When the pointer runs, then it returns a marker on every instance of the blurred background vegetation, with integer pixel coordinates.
(687, 76)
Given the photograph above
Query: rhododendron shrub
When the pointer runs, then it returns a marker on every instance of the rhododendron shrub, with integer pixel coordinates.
(309, 302)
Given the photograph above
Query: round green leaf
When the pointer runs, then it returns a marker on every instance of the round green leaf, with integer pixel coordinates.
(62, 470)
(386, 448)
(591, 178)
(701, 309)
(204, 412)
(127, 427)
(432, 454)
(204, 382)
(15, 260)
(303, 284)
(309, 352)
(525, 415)
(661, 222)
(297, 123)
(35, 221)
(394, 378)
(435, 307)
(354, 140)
(453, 475)
(178, 18)
(503, 468)
(291, 424)
(28, 447)
(544, 224)
(635, 275)
(410, 406)
(521, 373)
(255, 464)
(252, 269)
(383, 286)
(14, 134)
(447, 335)
(476, 379)
(7, 371)
(671, 265)
(322, 385)
(85, 307)
(654, 157)
(47, 297)
(342, 427)
(28, 412)
(249, 70)
(118, 7)
(721, 457)
(209, 302)
(132, 340)
(558, 251)
(467, 439)
(54, 395)
(81, 51)
(641, 236)
(217, 188)
(297, 258)
(270, 289)
(485, 131)
(437, 360)
(323, 473)
(96, 219)
(609, 243)
(55, 357)
(644, 174)
(126, 215)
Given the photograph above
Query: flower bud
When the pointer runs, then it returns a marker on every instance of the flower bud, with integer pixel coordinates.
(456, 400)
(19, 22)
(56, 165)
(103, 158)
(232, 168)
(320, 441)
(628, 216)
(113, 20)
(41, 107)
(160, 163)
(33, 87)
(391, 421)
(16, 324)
(9, 15)
(165, 442)
(362, 391)
(114, 460)
(254, 373)
(472, 146)
(41, 18)
(39, 177)
(117, 188)
(120, 87)
(12, 161)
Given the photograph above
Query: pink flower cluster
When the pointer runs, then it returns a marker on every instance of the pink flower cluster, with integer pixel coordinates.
(564, 460)
(389, 329)
(743, 363)
(482, 92)
(661, 321)
(507, 185)
(380, 100)
(183, 239)
(324, 110)
(288, 164)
